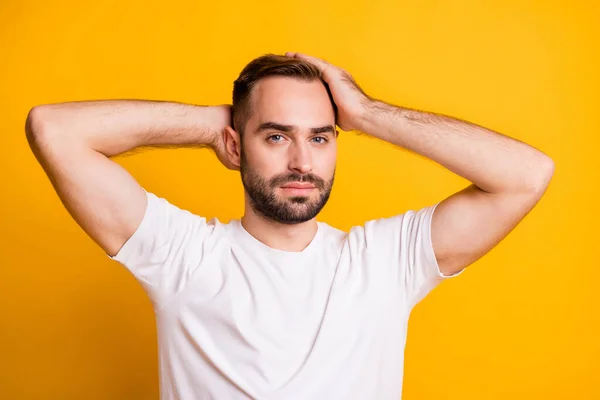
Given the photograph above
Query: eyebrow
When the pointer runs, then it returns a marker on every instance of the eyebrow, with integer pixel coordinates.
(292, 128)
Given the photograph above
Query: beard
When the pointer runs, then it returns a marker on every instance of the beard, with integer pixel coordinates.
(285, 210)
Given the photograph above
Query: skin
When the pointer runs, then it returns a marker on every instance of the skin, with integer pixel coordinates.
(508, 177)
(272, 157)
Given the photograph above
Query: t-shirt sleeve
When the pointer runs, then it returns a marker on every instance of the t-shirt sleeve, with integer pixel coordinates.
(403, 243)
(165, 247)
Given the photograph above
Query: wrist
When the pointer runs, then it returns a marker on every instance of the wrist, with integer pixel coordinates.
(366, 117)
(378, 114)
(213, 121)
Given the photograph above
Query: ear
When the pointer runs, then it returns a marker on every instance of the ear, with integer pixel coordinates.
(233, 149)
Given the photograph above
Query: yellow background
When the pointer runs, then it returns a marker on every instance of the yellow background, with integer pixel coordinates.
(521, 323)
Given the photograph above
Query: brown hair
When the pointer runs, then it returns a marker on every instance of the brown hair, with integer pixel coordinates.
(264, 66)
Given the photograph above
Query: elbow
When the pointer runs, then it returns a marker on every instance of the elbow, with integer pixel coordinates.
(546, 172)
(39, 125)
(36, 123)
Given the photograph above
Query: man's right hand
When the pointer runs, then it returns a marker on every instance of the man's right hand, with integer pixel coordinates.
(218, 143)
(74, 142)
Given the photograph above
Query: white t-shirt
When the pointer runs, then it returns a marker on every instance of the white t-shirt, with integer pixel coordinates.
(237, 319)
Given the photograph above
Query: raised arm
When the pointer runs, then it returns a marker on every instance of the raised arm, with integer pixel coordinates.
(508, 176)
(73, 142)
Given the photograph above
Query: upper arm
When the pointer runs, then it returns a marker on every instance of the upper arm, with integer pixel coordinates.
(402, 249)
(469, 223)
(102, 197)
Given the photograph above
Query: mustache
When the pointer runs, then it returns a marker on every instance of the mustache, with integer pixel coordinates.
(308, 178)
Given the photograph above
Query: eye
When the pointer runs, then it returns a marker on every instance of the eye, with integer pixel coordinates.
(272, 136)
(321, 137)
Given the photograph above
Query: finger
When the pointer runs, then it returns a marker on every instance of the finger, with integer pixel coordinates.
(328, 70)
(322, 64)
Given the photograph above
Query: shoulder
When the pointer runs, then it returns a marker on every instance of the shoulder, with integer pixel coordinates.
(393, 231)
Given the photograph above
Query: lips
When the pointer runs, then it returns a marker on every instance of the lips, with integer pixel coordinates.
(298, 185)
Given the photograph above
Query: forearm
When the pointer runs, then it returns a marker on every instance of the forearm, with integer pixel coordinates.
(493, 162)
(112, 127)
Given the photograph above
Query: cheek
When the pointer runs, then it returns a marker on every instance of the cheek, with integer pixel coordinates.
(267, 159)
(327, 162)
(266, 165)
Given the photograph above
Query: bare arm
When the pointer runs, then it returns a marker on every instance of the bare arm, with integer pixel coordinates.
(73, 142)
(508, 178)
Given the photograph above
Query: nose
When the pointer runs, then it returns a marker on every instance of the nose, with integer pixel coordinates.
(300, 158)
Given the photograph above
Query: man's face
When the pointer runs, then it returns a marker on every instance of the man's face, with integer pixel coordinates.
(290, 139)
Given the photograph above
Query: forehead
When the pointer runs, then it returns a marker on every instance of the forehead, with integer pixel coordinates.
(291, 101)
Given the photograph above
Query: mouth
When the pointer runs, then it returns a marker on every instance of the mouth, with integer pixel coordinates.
(298, 188)
(298, 185)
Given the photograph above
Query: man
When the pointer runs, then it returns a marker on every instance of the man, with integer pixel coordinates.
(277, 305)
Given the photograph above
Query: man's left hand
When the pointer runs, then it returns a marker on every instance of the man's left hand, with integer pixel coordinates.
(350, 99)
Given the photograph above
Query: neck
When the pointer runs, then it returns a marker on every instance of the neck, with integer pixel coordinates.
(286, 237)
